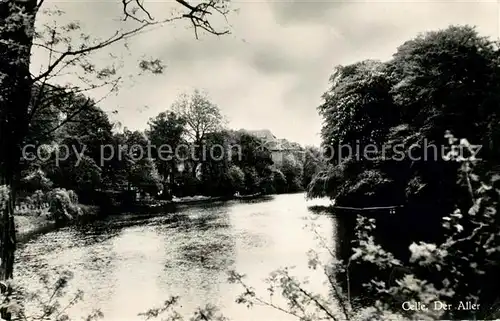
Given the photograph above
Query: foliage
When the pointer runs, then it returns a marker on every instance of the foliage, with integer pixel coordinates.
(82, 175)
(139, 169)
(63, 204)
(45, 304)
(358, 105)
(200, 114)
(168, 313)
(237, 177)
(438, 81)
(455, 61)
(165, 134)
(36, 180)
(314, 162)
(279, 181)
(252, 180)
(292, 170)
(457, 270)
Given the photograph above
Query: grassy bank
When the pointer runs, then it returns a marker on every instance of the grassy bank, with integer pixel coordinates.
(31, 224)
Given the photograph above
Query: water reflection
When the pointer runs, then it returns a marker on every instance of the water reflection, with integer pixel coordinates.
(127, 264)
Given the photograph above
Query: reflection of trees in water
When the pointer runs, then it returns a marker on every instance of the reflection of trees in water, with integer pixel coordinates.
(216, 254)
(343, 238)
(388, 233)
(200, 218)
(201, 251)
(198, 244)
(209, 242)
(260, 199)
(320, 209)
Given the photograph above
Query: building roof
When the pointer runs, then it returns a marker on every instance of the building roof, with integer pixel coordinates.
(264, 134)
(271, 142)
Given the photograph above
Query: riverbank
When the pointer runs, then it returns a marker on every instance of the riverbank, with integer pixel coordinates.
(159, 206)
(29, 225)
(207, 199)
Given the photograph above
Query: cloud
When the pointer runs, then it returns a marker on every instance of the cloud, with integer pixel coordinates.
(292, 12)
(272, 70)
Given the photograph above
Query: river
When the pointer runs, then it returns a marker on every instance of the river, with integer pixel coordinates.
(128, 264)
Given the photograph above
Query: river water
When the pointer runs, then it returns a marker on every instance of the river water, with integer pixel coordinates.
(128, 264)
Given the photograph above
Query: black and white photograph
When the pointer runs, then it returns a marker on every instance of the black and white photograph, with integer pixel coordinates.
(249, 160)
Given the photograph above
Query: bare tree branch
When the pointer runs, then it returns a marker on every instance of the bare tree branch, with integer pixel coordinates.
(131, 13)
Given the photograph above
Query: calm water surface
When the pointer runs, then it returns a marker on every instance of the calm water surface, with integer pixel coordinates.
(127, 264)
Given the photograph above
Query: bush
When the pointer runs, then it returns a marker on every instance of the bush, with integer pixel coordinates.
(63, 205)
(36, 180)
(237, 178)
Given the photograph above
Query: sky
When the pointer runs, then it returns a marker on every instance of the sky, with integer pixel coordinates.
(271, 71)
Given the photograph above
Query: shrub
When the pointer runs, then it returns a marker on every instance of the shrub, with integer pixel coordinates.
(63, 205)
(237, 177)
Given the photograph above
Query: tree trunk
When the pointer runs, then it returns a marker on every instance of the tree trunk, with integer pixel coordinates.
(196, 153)
(173, 174)
(16, 35)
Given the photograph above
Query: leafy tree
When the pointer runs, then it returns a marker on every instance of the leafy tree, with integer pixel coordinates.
(46, 119)
(292, 170)
(215, 164)
(313, 163)
(279, 181)
(139, 168)
(439, 80)
(165, 134)
(202, 117)
(200, 114)
(252, 180)
(91, 126)
(79, 173)
(447, 80)
(443, 80)
(251, 152)
(237, 177)
(358, 106)
(358, 111)
(35, 180)
(76, 160)
(430, 85)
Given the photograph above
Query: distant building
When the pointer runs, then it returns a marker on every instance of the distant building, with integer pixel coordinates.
(264, 134)
(279, 148)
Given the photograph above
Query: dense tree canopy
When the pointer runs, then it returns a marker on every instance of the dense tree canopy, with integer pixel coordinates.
(441, 81)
